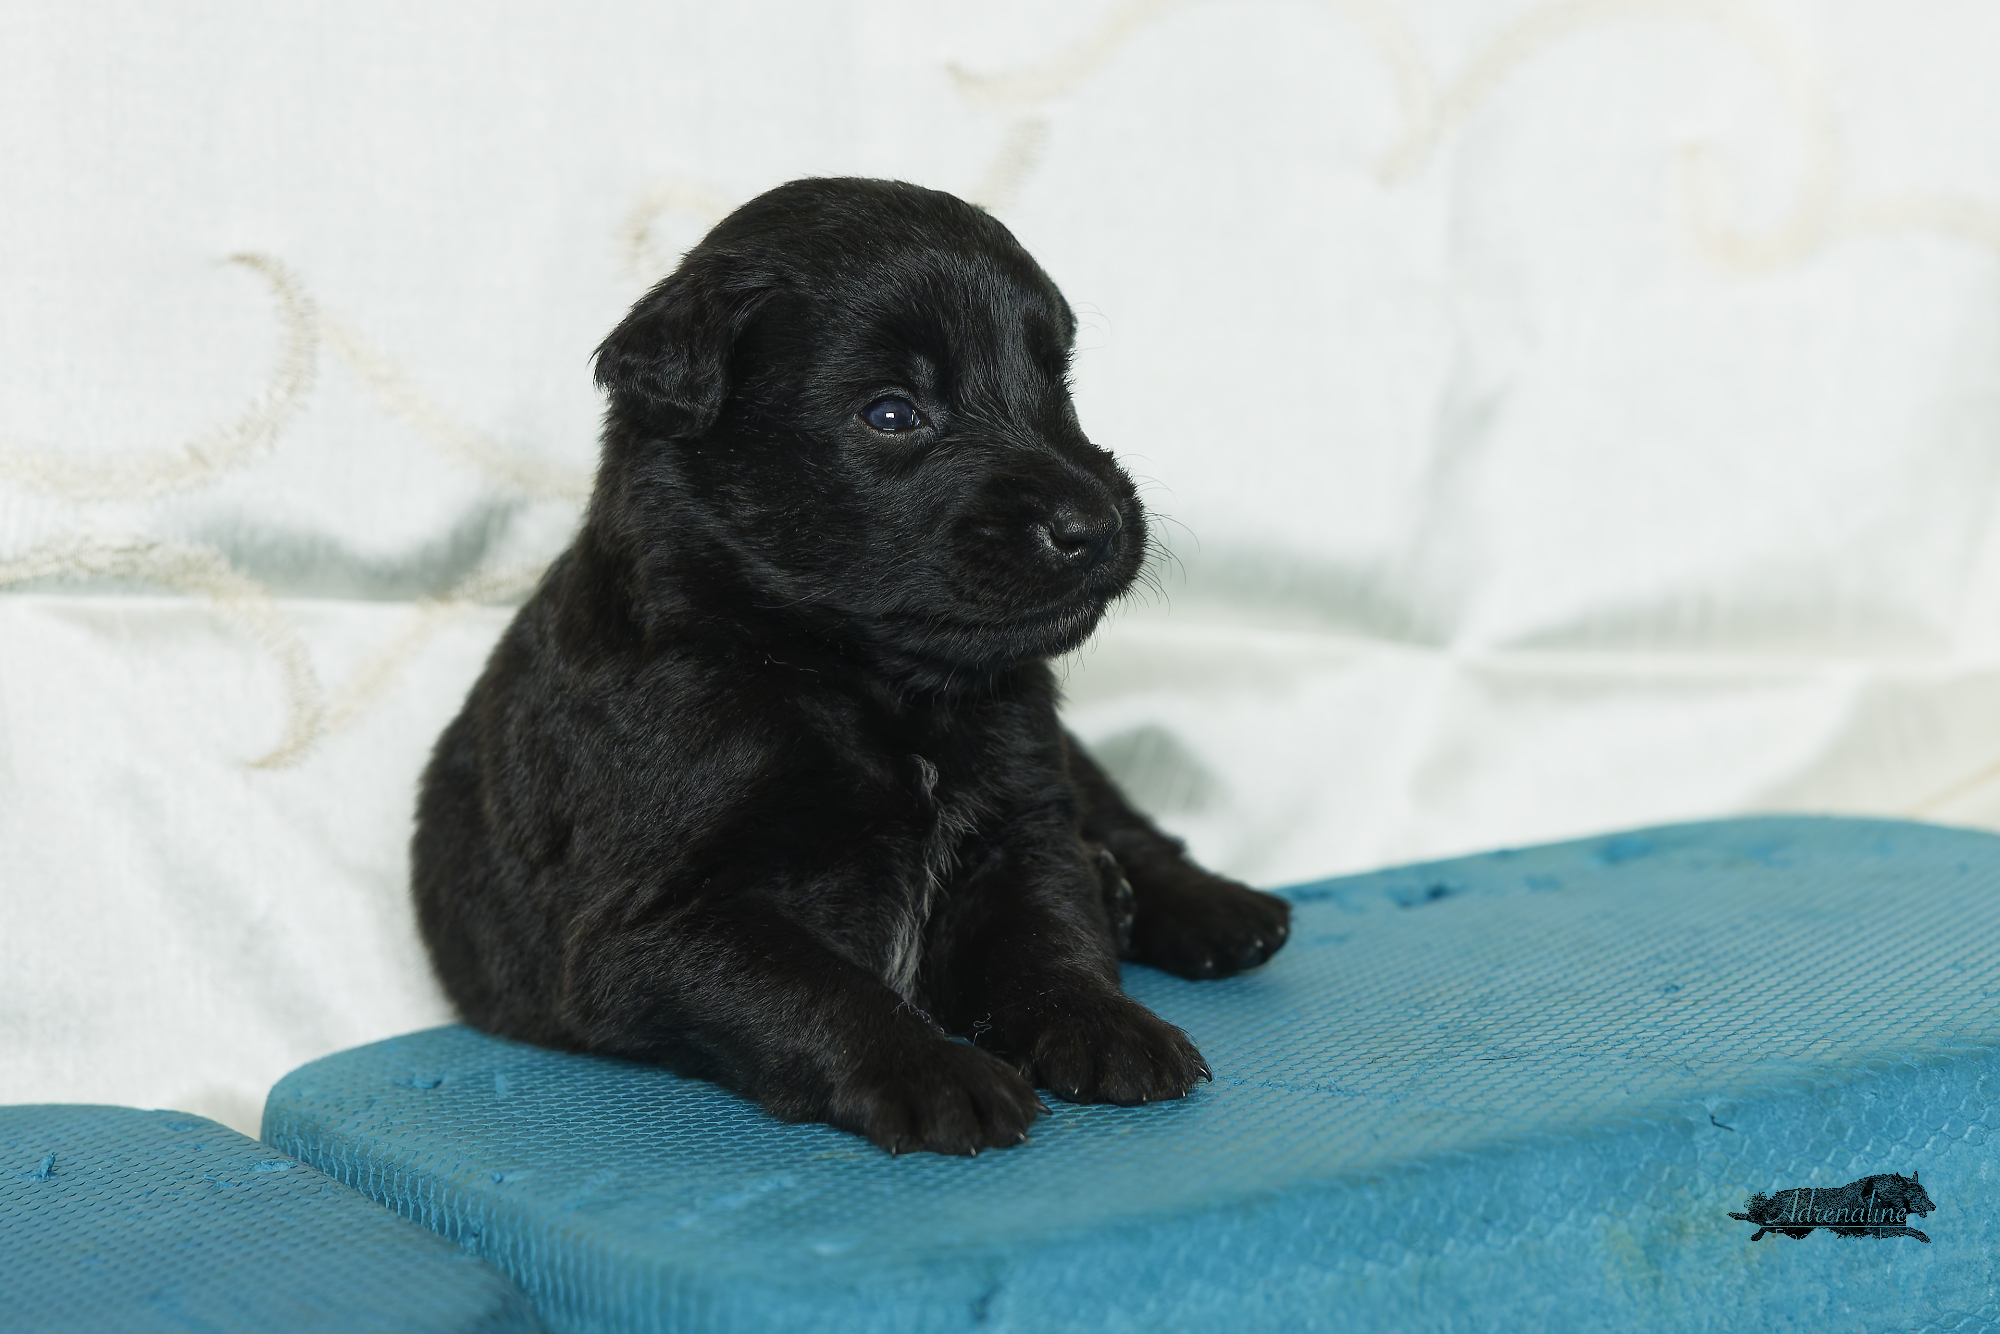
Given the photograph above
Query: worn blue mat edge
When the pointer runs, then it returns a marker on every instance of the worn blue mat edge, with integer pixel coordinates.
(1594, 1268)
(1598, 1265)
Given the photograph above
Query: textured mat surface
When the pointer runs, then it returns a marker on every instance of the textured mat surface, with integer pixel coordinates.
(125, 1221)
(1520, 1090)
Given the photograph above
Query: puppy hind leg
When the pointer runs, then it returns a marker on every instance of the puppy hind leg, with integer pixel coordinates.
(756, 1003)
(1119, 902)
(1186, 920)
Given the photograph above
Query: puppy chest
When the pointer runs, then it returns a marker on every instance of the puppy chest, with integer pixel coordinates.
(944, 818)
(928, 855)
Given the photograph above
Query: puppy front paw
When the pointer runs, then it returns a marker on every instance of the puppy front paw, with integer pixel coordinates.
(945, 1098)
(1108, 1049)
(1197, 925)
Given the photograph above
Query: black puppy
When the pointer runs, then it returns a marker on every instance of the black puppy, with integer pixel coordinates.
(765, 782)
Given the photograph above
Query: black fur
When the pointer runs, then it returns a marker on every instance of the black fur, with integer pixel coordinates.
(765, 783)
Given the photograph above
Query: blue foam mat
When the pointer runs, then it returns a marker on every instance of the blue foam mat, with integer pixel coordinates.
(125, 1221)
(1515, 1091)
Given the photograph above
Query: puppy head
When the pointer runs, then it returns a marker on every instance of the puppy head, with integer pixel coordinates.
(852, 399)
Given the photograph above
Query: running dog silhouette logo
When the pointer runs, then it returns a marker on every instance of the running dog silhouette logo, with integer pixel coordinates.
(1877, 1206)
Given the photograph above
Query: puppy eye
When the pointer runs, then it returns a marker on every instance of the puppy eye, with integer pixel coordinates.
(891, 414)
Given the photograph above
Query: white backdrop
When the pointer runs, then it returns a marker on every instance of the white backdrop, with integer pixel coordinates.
(1566, 415)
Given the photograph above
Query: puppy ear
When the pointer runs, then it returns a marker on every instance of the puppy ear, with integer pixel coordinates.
(668, 361)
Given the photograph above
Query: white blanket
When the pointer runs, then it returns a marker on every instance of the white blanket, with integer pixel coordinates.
(1565, 414)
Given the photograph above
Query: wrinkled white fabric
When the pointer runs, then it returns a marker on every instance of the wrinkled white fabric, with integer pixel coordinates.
(1562, 415)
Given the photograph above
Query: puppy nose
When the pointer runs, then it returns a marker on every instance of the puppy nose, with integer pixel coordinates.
(1082, 540)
